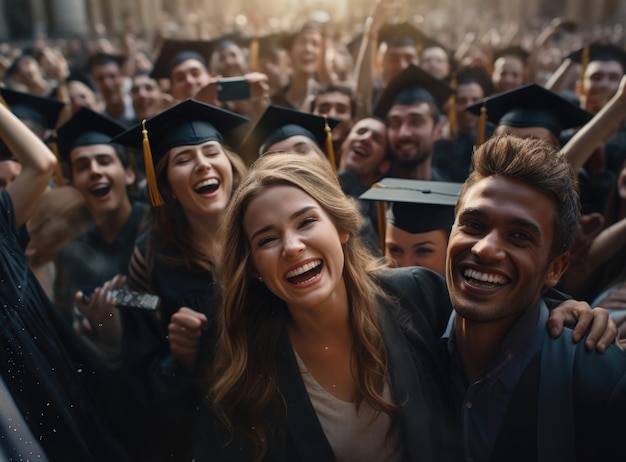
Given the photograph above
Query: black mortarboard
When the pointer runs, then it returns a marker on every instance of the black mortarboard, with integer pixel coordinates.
(600, 52)
(412, 85)
(43, 111)
(188, 123)
(99, 59)
(279, 123)
(401, 34)
(85, 128)
(532, 106)
(416, 206)
(174, 52)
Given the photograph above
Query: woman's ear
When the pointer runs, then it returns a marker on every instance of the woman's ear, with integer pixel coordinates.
(344, 237)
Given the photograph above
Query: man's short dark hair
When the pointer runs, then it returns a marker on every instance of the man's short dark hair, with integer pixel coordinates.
(335, 88)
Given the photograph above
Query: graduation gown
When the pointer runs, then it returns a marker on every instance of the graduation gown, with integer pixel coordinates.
(46, 369)
(419, 308)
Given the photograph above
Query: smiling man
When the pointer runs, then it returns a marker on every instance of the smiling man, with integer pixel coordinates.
(518, 394)
(100, 172)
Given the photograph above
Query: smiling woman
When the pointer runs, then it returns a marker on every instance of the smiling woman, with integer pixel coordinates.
(194, 175)
(307, 311)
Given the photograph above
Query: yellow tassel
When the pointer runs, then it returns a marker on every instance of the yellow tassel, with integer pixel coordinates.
(452, 120)
(482, 123)
(330, 150)
(3, 102)
(253, 58)
(155, 197)
(584, 62)
(58, 171)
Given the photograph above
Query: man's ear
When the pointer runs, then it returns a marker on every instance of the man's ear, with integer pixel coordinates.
(557, 267)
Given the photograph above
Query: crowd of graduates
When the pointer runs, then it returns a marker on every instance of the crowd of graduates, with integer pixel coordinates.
(152, 167)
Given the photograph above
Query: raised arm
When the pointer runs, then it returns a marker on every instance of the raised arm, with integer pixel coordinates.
(604, 124)
(37, 164)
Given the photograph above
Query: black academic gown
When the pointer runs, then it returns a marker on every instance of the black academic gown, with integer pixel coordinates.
(408, 329)
(52, 380)
(162, 392)
(599, 395)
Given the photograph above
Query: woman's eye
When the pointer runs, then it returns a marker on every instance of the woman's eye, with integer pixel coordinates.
(307, 220)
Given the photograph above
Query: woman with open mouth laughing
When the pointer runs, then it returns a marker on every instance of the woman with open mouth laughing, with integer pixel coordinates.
(312, 359)
(192, 182)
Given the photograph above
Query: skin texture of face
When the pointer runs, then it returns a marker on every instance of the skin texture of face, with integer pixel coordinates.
(508, 73)
(434, 60)
(420, 249)
(498, 253)
(600, 83)
(411, 132)
(201, 178)
(296, 249)
(188, 78)
(277, 69)
(9, 170)
(396, 59)
(232, 61)
(98, 174)
(108, 79)
(299, 144)
(305, 52)
(147, 96)
(336, 105)
(363, 151)
(467, 94)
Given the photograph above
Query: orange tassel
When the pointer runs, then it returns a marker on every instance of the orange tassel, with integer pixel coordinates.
(155, 197)
(253, 59)
(330, 150)
(482, 123)
(58, 172)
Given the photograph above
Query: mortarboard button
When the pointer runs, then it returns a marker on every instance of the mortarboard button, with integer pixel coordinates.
(43, 111)
(412, 85)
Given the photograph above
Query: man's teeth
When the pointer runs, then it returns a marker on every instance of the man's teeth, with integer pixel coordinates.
(303, 269)
(484, 277)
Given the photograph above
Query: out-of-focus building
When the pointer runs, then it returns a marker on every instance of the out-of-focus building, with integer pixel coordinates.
(25, 19)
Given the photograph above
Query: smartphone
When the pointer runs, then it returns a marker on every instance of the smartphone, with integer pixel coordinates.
(130, 299)
(232, 89)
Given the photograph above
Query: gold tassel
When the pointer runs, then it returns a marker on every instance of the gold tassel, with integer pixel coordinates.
(584, 62)
(253, 59)
(3, 102)
(58, 171)
(330, 151)
(155, 197)
(482, 123)
(453, 123)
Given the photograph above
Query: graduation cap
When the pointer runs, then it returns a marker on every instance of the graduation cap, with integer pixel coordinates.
(599, 52)
(532, 106)
(174, 52)
(100, 59)
(85, 128)
(417, 206)
(43, 111)
(188, 123)
(279, 123)
(412, 85)
(402, 34)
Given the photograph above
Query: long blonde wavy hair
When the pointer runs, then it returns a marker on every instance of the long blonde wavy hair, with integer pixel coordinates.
(243, 386)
